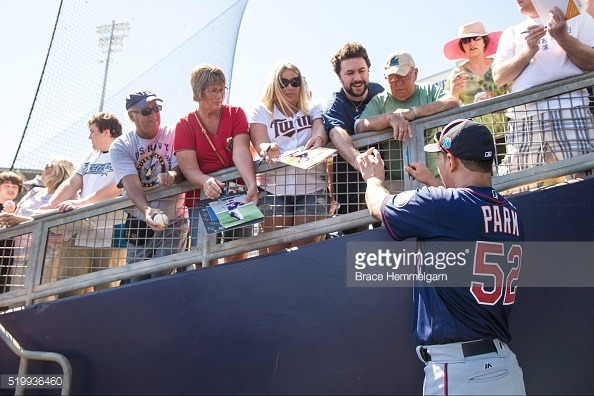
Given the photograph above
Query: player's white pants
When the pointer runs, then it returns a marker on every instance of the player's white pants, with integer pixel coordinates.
(450, 373)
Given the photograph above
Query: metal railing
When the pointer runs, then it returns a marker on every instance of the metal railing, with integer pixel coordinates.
(33, 287)
(26, 355)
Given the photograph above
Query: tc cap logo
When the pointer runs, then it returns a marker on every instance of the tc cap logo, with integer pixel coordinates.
(395, 61)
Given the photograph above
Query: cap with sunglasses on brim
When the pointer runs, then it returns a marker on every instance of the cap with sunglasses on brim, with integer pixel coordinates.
(465, 139)
(141, 99)
(398, 62)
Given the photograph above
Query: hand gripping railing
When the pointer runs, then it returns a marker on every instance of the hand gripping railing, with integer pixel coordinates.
(25, 355)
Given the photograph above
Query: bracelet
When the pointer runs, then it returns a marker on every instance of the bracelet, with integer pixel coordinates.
(321, 139)
(414, 110)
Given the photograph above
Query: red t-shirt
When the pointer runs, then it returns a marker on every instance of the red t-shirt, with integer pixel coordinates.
(189, 135)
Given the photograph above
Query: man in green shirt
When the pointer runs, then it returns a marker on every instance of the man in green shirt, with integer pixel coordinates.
(404, 101)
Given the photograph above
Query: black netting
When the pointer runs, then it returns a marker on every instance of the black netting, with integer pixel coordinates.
(165, 40)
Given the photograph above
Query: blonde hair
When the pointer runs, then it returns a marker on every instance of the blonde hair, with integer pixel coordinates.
(273, 94)
(62, 169)
(203, 76)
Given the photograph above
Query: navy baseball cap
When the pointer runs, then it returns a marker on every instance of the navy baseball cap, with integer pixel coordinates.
(464, 139)
(141, 99)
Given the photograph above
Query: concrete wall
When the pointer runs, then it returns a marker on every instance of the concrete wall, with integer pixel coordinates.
(287, 324)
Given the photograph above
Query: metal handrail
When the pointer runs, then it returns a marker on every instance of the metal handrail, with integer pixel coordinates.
(39, 228)
(25, 355)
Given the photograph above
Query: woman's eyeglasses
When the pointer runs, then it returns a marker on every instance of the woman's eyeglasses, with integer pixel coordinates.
(147, 112)
(216, 91)
(467, 40)
(295, 82)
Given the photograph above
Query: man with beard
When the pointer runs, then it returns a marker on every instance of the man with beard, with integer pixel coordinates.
(351, 65)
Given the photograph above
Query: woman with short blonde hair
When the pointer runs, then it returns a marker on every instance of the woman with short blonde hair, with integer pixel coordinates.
(212, 137)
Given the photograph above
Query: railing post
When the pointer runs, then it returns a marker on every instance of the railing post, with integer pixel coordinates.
(35, 258)
(26, 355)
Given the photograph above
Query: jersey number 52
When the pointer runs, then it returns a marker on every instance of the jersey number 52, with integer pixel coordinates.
(503, 282)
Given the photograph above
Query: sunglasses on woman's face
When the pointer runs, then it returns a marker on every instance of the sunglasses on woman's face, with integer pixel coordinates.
(295, 82)
(467, 40)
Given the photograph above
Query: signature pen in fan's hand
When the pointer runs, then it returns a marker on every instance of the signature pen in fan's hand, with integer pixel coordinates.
(528, 31)
(264, 156)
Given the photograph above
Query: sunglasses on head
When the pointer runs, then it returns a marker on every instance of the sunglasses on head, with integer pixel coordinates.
(147, 112)
(467, 40)
(295, 82)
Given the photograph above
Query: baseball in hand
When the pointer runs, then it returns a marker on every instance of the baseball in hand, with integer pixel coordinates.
(161, 219)
(9, 206)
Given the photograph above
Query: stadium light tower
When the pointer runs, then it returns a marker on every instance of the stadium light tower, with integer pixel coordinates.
(112, 37)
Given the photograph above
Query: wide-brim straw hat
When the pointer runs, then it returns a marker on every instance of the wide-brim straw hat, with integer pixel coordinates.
(452, 50)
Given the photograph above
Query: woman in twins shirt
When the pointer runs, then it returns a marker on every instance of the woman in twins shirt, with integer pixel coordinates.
(284, 120)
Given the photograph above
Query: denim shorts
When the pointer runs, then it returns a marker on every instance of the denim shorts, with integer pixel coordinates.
(317, 203)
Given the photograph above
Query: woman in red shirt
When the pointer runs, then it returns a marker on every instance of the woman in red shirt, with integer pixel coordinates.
(210, 138)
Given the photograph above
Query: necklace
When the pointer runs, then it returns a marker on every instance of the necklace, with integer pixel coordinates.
(356, 106)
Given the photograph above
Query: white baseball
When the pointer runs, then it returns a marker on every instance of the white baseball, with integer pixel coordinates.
(9, 206)
(161, 219)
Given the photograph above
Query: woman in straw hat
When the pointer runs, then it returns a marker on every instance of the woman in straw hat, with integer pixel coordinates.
(472, 81)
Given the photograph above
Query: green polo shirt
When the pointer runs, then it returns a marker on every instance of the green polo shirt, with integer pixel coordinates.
(385, 103)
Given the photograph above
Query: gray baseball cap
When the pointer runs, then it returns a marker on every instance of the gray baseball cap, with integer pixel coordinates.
(398, 62)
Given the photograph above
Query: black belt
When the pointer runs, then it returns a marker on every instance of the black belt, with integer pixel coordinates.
(469, 348)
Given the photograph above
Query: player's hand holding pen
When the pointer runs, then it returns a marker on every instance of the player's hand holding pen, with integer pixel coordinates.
(422, 174)
(269, 153)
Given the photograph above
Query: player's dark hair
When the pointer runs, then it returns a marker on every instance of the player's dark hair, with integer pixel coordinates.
(349, 50)
(478, 166)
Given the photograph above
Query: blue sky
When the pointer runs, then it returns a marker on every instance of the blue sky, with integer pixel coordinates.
(307, 33)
